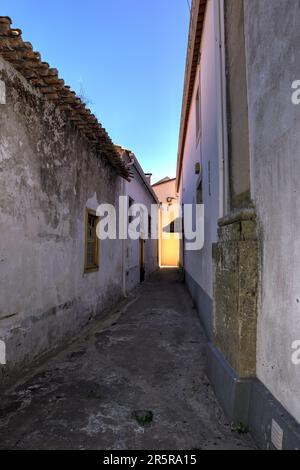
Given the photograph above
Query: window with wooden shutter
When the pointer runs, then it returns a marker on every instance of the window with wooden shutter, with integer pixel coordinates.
(91, 242)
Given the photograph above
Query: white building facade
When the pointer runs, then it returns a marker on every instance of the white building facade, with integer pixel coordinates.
(238, 155)
(140, 257)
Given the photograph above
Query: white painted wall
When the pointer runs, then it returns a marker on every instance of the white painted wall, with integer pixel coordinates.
(273, 63)
(141, 194)
(164, 191)
(199, 264)
(48, 176)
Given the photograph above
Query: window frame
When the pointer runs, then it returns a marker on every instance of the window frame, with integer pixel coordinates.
(95, 267)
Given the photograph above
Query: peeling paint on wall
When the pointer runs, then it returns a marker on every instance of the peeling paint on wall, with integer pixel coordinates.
(48, 175)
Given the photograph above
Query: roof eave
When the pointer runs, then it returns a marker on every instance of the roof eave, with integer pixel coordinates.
(192, 60)
(39, 74)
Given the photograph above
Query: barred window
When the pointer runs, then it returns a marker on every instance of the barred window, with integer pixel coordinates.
(91, 242)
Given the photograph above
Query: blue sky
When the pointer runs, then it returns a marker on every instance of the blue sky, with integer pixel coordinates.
(128, 56)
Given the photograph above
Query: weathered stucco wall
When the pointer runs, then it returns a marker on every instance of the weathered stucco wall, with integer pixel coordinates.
(236, 253)
(237, 105)
(272, 30)
(169, 249)
(204, 150)
(166, 190)
(137, 190)
(48, 176)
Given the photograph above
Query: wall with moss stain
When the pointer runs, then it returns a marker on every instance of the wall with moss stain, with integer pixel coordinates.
(48, 176)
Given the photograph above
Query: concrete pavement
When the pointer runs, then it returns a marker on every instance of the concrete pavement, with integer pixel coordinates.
(133, 380)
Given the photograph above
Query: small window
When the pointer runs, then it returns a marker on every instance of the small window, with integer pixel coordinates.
(198, 114)
(91, 242)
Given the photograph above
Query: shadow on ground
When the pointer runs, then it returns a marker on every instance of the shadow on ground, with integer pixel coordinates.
(133, 381)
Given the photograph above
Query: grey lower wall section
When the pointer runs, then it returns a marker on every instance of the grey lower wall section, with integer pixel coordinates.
(263, 409)
(232, 392)
(248, 401)
(203, 303)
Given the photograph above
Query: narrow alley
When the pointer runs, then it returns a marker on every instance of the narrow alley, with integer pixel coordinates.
(134, 380)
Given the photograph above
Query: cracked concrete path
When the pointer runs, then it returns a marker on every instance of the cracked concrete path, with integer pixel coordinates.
(148, 354)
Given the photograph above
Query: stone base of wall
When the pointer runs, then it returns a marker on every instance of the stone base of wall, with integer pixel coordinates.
(236, 263)
(232, 392)
(203, 303)
(248, 401)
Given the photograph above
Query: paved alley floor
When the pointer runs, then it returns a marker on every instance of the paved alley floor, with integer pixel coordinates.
(134, 380)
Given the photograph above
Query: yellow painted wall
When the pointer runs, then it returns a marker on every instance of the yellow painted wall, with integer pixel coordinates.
(170, 251)
(169, 243)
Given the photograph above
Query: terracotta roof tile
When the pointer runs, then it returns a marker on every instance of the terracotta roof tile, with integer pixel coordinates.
(41, 76)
